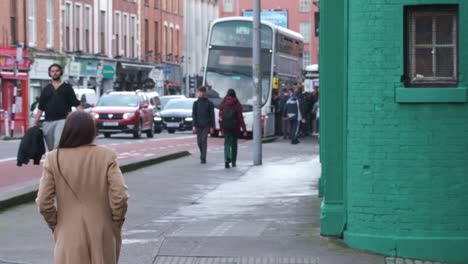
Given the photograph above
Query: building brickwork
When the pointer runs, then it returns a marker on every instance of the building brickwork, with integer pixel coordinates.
(404, 160)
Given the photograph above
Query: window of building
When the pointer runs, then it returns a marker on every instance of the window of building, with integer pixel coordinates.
(117, 33)
(177, 48)
(165, 40)
(68, 25)
(305, 59)
(146, 2)
(32, 23)
(50, 23)
(132, 36)
(146, 38)
(176, 6)
(125, 34)
(87, 29)
(78, 27)
(156, 4)
(102, 32)
(304, 5)
(431, 45)
(13, 29)
(156, 38)
(305, 30)
(171, 41)
(228, 5)
(164, 3)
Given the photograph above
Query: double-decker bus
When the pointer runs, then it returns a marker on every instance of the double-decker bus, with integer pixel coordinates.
(229, 65)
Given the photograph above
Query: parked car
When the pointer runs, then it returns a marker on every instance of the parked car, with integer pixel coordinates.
(176, 115)
(123, 112)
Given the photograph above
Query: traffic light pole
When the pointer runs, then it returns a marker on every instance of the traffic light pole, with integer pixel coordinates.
(257, 77)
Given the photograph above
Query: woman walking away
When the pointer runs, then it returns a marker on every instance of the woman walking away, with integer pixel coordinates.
(232, 123)
(82, 196)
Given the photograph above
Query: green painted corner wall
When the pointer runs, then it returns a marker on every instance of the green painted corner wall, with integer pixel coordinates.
(332, 124)
(402, 167)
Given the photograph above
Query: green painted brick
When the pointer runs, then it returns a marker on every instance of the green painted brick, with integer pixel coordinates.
(394, 159)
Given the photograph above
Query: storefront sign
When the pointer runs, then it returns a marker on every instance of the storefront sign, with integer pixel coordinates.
(74, 68)
(88, 67)
(40, 69)
(108, 72)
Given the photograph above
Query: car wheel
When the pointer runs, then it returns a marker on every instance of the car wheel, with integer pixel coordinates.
(137, 132)
(150, 133)
(171, 131)
(107, 135)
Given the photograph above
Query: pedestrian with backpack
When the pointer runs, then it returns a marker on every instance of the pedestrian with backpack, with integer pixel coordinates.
(294, 112)
(203, 121)
(232, 124)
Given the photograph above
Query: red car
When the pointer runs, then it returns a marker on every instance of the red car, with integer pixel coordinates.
(123, 112)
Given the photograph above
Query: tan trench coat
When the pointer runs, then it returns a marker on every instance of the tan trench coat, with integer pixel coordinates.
(86, 227)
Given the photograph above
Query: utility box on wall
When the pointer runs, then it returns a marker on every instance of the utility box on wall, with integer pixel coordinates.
(394, 139)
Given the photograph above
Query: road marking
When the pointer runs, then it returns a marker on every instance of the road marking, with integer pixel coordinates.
(7, 159)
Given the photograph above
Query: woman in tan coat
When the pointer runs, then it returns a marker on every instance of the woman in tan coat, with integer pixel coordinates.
(82, 196)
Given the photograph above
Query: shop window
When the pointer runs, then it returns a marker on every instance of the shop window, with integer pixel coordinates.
(431, 48)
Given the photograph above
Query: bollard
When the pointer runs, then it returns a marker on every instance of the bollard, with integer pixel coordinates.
(7, 121)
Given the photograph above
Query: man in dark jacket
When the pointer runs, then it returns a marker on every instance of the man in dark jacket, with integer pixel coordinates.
(203, 121)
(294, 112)
(31, 147)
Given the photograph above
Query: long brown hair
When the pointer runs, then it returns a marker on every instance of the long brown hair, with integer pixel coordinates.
(79, 130)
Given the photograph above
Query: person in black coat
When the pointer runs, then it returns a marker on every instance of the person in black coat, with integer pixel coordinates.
(203, 121)
(31, 147)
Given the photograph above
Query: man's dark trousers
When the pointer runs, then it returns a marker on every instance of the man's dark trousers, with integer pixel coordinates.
(202, 140)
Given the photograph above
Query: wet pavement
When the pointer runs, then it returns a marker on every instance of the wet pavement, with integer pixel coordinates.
(184, 212)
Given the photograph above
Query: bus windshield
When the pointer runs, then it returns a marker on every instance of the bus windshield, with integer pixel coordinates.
(239, 34)
(232, 68)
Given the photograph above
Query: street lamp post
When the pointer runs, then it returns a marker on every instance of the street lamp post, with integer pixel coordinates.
(257, 76)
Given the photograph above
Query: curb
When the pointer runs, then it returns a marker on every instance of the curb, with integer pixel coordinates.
(31, 194)
(269, 139)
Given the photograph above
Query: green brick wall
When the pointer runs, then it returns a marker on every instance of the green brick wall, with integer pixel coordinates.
(406, 154)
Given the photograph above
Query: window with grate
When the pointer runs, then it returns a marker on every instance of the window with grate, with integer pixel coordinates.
(304, 5)
(228, 6)
(305, 59)
(431, 46)
(305, 30)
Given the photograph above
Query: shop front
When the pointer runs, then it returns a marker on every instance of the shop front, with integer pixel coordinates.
(14, 91)
(107, 76)
(131, 75)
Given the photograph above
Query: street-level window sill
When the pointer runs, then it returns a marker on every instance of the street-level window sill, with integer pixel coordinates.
(431, 95)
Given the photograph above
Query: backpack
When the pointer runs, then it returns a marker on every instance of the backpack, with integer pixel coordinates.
(229, 122)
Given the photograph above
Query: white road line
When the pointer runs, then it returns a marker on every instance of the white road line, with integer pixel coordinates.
(7, 159)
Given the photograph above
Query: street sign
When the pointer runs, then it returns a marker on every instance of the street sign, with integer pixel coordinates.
(167, 70)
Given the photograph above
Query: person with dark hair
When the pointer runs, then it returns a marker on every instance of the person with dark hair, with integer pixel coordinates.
(203, 121)
(56, 101)
(294, 112)
(232, 124)
(82, 196)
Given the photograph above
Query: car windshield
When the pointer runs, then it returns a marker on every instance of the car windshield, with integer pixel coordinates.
(179, 104)
(166, 99)
(118, 100)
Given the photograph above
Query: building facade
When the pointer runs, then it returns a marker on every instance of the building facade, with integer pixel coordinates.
(198, 17)
(393, 133)
(162, 42)
(103, 45)
(297, 15)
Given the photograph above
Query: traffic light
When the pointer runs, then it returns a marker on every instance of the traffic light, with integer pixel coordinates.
(192, 83)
